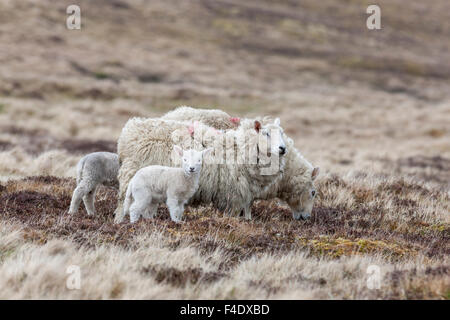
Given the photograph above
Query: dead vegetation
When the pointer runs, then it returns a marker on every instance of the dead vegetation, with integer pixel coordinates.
(370, 108)
(393, 232)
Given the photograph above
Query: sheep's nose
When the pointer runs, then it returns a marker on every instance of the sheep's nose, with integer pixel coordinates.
(191, 169)
(282, 150)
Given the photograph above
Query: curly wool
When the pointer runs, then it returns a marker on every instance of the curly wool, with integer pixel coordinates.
(215, 118)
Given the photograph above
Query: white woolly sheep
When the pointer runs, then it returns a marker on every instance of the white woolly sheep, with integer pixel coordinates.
(211, 117)
(230, 185)
(296, 187)
(93, 169)
(157, 184)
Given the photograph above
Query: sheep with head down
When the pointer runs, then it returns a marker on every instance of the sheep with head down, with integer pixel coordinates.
(296, 187)
(246, 160)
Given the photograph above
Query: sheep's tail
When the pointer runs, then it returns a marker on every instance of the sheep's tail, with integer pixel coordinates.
(80, 168)
(127, 202)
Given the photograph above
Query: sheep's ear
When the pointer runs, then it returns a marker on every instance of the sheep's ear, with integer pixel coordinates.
(277, 122)
(207, 151)
(315, 173)
(178, 150)
(257, 125)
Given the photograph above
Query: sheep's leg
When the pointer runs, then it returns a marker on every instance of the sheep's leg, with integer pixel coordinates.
(248, 212)
(78, 194)
(141, 202)
(180, 210)
(118, 213)
(146, 214)
(174, 209)
(88, 200)
(135, 211)
(152, 210)
(124, 179)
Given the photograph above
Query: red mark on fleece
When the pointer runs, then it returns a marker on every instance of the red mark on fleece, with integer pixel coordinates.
(191, 130)
(235, 120)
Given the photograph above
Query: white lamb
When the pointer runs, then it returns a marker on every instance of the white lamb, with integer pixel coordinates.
(156, 184)
(93, 169)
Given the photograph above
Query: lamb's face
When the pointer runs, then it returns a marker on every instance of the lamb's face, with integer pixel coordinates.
(192, 160)
(302, 204)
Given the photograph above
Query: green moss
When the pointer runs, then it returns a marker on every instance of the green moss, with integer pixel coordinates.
(447, 295)
(101, 75)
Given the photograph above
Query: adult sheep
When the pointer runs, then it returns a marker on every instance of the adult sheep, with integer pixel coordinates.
(211, 117)
(230, 184)
(296, 188)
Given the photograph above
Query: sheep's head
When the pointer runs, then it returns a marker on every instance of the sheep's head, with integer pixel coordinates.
(302, 204)
(273, 133)
(192, 160)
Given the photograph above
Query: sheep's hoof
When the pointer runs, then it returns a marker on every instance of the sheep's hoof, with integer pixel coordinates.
(118, 220)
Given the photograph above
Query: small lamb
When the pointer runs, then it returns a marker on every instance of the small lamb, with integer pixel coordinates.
(93, 169)
(156, 184)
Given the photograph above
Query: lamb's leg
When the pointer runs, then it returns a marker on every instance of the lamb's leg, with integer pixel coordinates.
(135, 211)
(152, 210)
(142, 201)
(149, 213)
(174, 208)
(180, 210)
(78, 194)
(88, 200)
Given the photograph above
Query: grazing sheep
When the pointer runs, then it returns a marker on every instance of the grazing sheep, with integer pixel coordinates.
(93, 169)
(296, 187)
(230, 184)
(156, 184)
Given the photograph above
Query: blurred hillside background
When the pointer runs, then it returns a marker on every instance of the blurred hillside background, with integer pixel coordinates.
(351, 97)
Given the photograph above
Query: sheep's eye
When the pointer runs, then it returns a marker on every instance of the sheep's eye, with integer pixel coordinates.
(268, 134)
(313, 193)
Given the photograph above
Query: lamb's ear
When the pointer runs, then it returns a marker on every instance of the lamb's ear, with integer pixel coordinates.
(257, 125)
(277, 122)
(207, 151)
(315, 173)
(178, 150)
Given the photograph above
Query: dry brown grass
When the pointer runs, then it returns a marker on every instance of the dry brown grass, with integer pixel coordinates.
(394, 231)
(370, 108)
